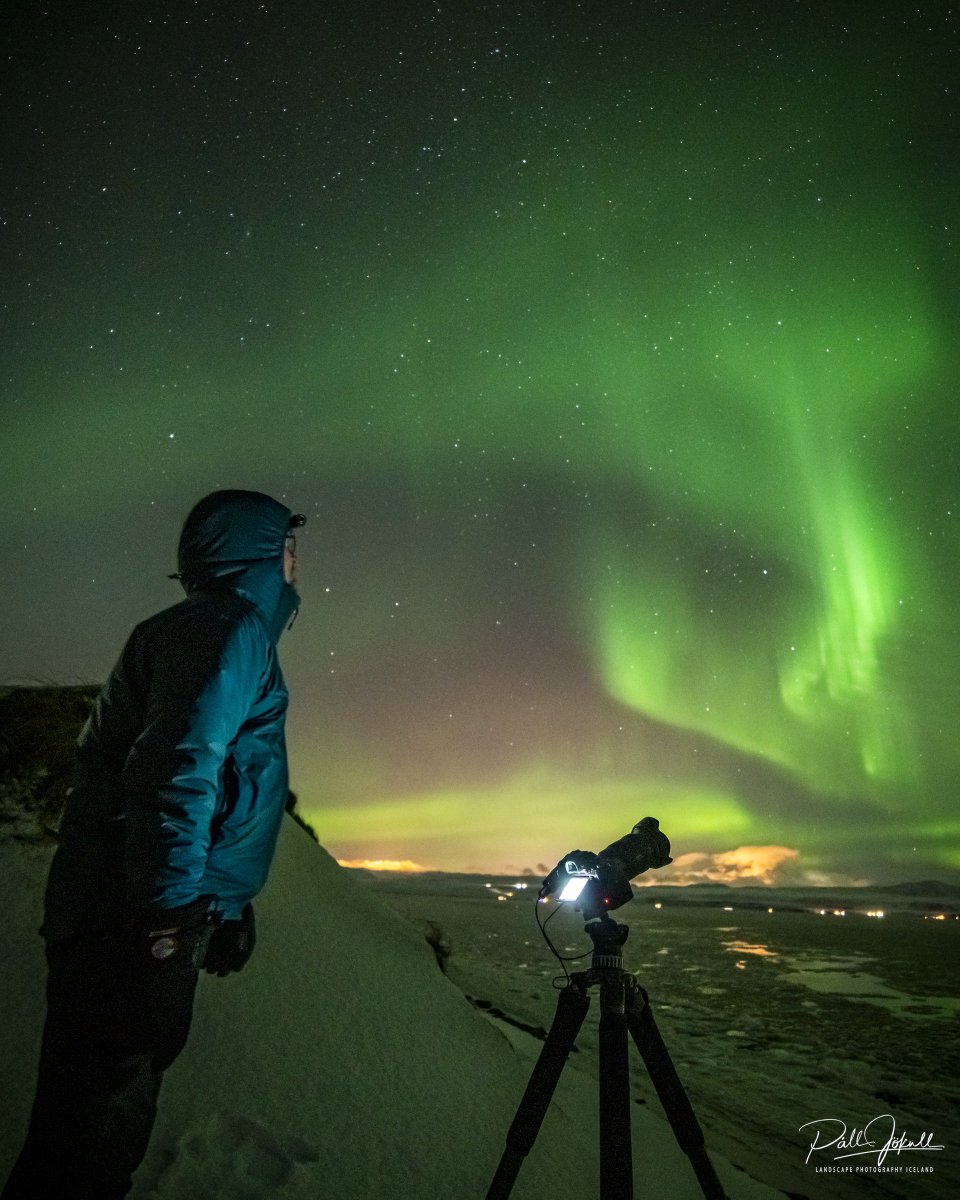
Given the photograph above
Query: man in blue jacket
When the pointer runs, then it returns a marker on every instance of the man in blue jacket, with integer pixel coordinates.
(166, 838)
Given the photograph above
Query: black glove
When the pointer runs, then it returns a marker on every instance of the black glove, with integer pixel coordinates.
(231, 944)
(171, 939)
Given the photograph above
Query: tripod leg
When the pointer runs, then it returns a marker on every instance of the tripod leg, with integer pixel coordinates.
(572, 1005)
(676, 1105)
(616, 1159)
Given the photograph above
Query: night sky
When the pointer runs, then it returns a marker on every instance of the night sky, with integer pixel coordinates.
(611, 351)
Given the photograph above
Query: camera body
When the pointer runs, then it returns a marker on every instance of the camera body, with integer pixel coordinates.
(597, 883)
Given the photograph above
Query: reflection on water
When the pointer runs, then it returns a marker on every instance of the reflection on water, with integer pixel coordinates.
(835, 977)
(843, 975)
(751, 948)
(754, 948)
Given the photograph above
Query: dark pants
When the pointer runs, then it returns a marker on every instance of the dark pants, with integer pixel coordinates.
(110, 1033)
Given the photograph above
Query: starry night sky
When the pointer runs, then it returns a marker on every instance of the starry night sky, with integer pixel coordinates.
(611, 351)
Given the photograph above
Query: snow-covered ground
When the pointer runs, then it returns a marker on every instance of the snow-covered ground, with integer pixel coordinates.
(773, 1018)
(343, 1063)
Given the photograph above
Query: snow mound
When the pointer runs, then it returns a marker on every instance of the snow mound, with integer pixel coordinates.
(341, 1062)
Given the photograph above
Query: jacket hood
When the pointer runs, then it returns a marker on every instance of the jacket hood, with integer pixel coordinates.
(234, 539)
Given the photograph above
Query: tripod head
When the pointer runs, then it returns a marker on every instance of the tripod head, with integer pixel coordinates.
(608, 938)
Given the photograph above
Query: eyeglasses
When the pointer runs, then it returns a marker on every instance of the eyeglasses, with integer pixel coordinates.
(290, 541)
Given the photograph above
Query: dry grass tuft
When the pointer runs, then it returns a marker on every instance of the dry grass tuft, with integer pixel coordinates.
(38, 733)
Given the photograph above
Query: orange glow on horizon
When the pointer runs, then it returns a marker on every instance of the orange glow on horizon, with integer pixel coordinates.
(746, 864)
(382, 864)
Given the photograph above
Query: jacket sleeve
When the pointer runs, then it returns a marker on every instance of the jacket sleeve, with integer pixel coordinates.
(201, 680)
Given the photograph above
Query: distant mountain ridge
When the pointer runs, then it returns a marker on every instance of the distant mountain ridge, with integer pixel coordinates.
(926, 887)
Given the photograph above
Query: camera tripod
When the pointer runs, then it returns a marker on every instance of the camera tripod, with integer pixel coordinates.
(624, 1005)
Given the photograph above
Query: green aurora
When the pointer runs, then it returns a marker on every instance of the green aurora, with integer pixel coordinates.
(618, 378)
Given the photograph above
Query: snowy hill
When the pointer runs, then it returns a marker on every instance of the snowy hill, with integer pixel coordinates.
(342, 1062)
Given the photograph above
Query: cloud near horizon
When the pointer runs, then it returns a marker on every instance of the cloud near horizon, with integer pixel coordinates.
(763, 865)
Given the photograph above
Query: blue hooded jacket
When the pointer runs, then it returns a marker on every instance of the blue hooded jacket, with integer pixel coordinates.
(182, 765)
